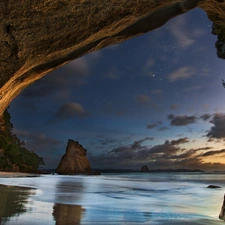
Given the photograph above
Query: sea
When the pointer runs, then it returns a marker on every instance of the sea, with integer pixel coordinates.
(112, 198)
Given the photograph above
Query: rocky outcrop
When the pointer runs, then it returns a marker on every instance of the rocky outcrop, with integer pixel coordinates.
(213, 186)
(74, 161)
(144, 169)
(39, 36)
(222, 211)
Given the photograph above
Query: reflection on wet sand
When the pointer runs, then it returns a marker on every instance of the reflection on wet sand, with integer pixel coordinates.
(67, 214)
(70, 192)
(13, 201)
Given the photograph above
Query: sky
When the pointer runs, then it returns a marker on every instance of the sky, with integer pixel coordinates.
(154, 100)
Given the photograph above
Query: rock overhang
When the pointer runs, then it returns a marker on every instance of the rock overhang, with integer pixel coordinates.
(39, 36)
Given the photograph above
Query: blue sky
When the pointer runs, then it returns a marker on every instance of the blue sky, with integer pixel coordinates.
(137, 103)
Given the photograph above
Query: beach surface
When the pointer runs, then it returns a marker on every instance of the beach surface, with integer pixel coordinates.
(114, 199)
(17, 174)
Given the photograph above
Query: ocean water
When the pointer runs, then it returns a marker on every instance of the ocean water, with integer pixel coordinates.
(126, 198)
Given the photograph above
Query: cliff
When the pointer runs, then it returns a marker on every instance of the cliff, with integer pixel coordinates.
(38, 36)
(74, 161)
(14, 157)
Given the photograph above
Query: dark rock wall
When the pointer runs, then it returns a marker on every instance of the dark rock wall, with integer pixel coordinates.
(37, 36)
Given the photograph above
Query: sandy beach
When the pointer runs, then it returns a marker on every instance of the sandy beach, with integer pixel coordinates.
(114, 199)
(17, 174)
(188, 222)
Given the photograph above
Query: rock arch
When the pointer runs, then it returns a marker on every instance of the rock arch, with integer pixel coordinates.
(38, 36)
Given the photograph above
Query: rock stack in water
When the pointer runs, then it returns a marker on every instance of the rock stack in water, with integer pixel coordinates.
(144, 169)
(74, 161)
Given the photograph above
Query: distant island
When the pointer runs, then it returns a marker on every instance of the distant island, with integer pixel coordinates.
(150, 171)
(116, 170)
(175, 170)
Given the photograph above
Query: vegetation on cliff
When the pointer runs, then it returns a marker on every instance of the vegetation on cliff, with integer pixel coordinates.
(219, 30)
(14, 156)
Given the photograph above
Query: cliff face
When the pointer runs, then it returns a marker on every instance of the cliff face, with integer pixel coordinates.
(14, 157)
(74, 161)
(40, 35)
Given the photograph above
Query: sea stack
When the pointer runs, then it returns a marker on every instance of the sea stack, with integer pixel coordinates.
(144, 169)
(74, 161)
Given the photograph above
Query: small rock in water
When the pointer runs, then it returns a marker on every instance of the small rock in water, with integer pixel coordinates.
(96, 172)
(213, 186)
(144, 169)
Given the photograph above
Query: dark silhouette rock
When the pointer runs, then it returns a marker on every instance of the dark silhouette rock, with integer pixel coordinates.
(222, 211)
(74, 161)
(96, 172)
(213, 186)
(39, 36)
(144, 169)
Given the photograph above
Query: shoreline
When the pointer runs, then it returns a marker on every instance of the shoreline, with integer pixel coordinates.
(17, 174)
(188, 221)
(76, 196)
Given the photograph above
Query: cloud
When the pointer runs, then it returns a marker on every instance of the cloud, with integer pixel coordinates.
(137, 144)
(107, 141)
(37, 141)
(169, 155)
(182, 35)
(182, 73)
(181, 120)
(114, 74)
(174, 106)
(147, 67)
(72, 74)
(192, 88)
(214, 152)
(79, 66)
(46, 147)
(157, 92)
(143, 98)
(179, 141)
(154, 125)
(137, 153)
(204, 149)
(217, 131)
(68, 111)
(163, 128)
(94, 56)
(198, 32)
(151, 126)
(150, 62)
(205, 117)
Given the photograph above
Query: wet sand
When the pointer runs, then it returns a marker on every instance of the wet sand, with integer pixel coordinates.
(188, 222)
(17, 174)
(81, 200)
